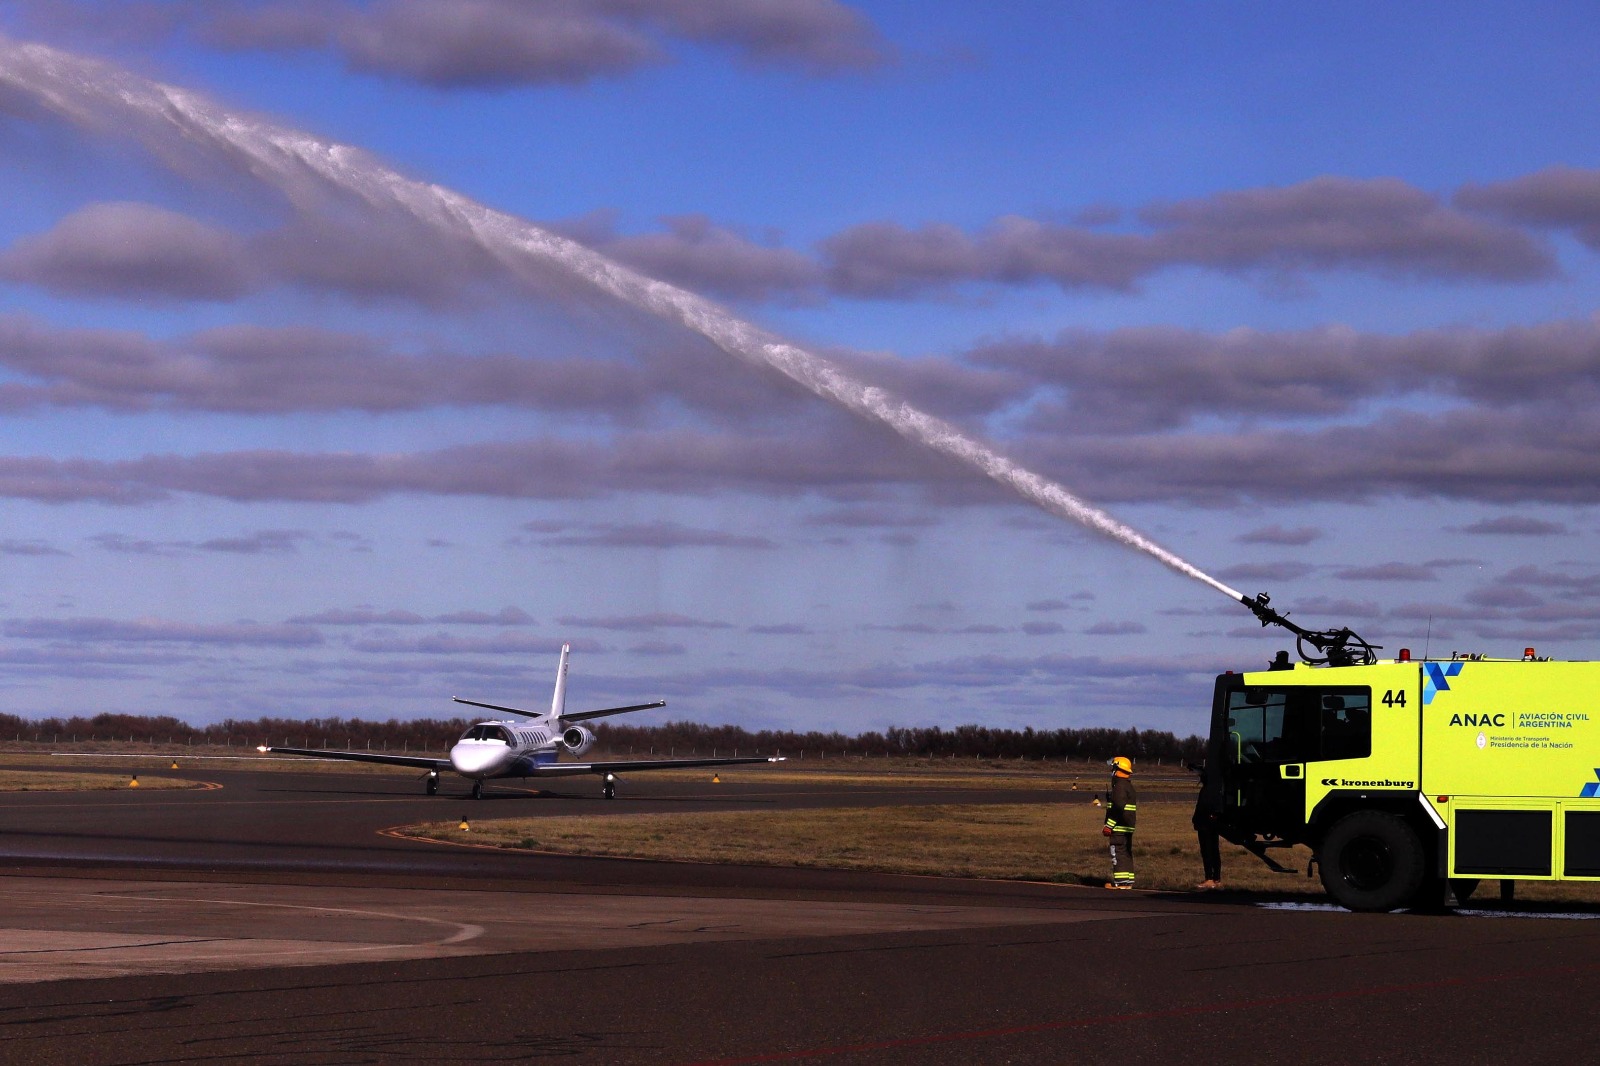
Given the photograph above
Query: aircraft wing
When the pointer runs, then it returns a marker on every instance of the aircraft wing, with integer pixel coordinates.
(568, 769)
(421, 762)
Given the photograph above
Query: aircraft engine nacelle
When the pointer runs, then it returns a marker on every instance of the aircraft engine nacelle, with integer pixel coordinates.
(577, 739)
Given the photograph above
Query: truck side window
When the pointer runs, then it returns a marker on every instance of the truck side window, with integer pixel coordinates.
(1347, 725)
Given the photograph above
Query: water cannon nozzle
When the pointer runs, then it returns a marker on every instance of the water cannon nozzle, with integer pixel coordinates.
(1317, 647)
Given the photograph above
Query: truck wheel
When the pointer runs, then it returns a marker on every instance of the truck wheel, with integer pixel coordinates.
(1372, 862)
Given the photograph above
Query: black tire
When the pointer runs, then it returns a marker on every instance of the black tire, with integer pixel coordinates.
(477, 790)
(1372, 862)
(433, 786)
(1463, 887)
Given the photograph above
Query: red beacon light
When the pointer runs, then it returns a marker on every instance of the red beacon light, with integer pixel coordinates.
(1527, 655)
(1405, 655)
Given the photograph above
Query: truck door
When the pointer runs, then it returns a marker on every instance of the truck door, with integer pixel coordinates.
(1268, 738)
(1264, 757)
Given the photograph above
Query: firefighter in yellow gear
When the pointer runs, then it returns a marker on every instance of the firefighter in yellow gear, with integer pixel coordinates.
(1122, 811)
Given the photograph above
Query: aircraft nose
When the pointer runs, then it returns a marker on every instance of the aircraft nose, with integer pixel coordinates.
(472, 760)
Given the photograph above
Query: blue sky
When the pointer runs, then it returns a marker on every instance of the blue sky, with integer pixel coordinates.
(1308, 295)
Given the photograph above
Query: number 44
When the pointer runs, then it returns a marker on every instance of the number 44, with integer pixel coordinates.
(1394, 699)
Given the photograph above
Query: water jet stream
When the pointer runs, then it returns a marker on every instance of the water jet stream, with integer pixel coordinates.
(97, 95)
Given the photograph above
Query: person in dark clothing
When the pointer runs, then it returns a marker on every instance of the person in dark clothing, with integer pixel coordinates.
(1122, 811)
(1207, 809)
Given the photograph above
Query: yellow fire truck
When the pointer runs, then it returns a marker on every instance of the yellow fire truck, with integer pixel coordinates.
(1406, 777)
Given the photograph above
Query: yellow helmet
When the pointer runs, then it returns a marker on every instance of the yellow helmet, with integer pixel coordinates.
(1122, 764)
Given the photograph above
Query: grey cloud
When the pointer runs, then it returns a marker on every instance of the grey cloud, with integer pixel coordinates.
(1516, 526)
(1558, 197)
(1049, 605)
(29, 548)
(368, 616)
(464, 44)
(783, 629)
(501, 43)
(132, 250)
(118, 542)
(506, 616)
(817, 35)
(1161, 377)
(658, 648)
(370, 256)
(1493, 457)
(1508, 596)
(842, 462)
(1387, 572)
(1115, 629)
(1326, 223)
(259, 369)
(655, 535)
(1043, 629)
(943, 387)
(151, 630)
(359, 616)
(1450, 612)
(266, 541)
(700, 255)
(885, 259)
(643, 623)
(1336, 222)
(448, 644)
(869, 517)
(1326, 607)
(1280, 571)
(1276, 534)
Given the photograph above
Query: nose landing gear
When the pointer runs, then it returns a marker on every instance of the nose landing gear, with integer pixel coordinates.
(433, 782)
(609, 789)
(477, 790)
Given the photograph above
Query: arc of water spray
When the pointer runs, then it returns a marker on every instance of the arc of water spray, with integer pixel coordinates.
(90, 92)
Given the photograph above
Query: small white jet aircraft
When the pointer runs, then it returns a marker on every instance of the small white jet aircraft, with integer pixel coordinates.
(512, 748)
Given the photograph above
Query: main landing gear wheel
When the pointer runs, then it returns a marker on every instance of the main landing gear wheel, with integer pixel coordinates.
(609, 789)
(477, 790)
(433, 784)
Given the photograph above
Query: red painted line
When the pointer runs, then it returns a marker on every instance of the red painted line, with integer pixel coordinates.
(1140, 1016)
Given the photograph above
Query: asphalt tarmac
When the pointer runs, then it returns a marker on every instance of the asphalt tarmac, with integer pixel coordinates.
(272, 921)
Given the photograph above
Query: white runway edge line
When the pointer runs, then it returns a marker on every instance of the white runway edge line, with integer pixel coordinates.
(95, 94)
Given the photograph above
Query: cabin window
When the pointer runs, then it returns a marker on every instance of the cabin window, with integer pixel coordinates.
(1299, 724)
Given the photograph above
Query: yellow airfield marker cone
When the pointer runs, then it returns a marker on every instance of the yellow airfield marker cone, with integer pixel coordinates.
(716, 779)
(464, 826)
(174, 764)
(1097, 801)
(135, 782)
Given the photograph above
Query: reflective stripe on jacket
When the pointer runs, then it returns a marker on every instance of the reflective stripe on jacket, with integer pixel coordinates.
(1122, 807)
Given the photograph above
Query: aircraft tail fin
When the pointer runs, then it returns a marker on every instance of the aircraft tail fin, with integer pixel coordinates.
(558, 702)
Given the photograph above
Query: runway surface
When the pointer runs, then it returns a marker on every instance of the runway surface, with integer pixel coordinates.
(270, 921)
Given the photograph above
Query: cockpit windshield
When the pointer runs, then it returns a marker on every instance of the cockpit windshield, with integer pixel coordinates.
(483, 731)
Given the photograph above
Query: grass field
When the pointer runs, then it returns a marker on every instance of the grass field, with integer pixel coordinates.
(1059, 843)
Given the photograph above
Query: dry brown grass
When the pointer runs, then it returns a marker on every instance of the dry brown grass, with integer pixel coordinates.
(1058, 842)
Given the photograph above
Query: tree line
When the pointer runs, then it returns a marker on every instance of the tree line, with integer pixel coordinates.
(617, 738)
